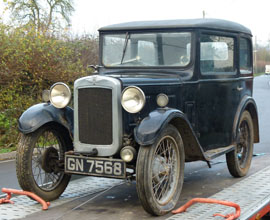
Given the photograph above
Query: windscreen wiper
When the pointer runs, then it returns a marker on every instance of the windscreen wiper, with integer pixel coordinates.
(125, 47)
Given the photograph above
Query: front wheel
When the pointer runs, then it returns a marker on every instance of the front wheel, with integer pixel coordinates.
(160, 172)
(239, 160)
(39, 162)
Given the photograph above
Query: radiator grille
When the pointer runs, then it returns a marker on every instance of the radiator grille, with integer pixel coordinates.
(95, 116)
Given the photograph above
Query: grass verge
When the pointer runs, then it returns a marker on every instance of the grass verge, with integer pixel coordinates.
(7, 150)
(258, 74)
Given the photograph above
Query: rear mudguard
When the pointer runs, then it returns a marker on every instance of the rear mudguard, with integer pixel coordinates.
(150, 127)
(43, 113)
(247, 103)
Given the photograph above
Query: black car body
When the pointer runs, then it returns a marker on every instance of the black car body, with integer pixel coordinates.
(164, 93)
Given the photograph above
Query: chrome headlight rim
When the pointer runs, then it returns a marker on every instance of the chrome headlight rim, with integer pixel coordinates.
(67, 94)
(142, 99)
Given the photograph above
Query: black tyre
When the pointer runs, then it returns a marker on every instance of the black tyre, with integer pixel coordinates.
(40, 156)
(160, 172)
(239, 160)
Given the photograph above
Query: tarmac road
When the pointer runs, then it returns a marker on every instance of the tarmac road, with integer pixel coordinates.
(8, 175)
(121, 202)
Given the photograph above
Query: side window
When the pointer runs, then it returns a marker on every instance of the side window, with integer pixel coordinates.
(217, 54)
(245, 56)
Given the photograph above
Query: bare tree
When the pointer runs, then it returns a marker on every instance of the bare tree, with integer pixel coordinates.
(42, 14)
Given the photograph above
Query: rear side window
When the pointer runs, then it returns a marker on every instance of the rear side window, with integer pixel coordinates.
(217, 54)
(245, 56)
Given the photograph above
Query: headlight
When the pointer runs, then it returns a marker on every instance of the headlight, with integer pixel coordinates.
(60, 95)
(133, 99)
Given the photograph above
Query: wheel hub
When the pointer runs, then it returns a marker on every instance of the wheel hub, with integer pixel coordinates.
(160, 168)
(50, 160)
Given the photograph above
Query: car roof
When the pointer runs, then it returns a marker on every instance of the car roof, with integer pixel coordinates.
(206, 23)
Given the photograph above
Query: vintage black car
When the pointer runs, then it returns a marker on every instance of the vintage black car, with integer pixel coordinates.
(164, 93)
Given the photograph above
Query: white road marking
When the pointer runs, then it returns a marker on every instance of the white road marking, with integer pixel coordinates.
(6, 161)
(3, 195)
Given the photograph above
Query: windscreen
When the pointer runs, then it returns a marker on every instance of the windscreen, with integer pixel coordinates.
(146, 49)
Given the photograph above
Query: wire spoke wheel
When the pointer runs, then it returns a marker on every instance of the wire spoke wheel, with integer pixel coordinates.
(40, 162)
(243, 146)
(239, 160)
(160, 172)
(46, 180)
(164, 170)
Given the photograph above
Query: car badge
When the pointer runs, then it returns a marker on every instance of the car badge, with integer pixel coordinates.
(93, 80)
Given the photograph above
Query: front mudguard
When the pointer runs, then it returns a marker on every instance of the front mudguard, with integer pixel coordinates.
(150, 128)
(38, 115)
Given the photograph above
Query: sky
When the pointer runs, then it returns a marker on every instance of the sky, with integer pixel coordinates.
(90, 15)
(93, 14)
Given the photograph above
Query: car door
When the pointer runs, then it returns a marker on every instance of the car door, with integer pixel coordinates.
(218, 94)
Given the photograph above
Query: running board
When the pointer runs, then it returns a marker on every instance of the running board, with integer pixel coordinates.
(212, 154)
(252, 194)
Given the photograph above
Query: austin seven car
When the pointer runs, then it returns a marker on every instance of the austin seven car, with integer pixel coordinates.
(164, 93)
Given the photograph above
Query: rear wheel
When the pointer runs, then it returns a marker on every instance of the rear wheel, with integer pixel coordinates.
(160, 172)
(40, 162)
(239, 160)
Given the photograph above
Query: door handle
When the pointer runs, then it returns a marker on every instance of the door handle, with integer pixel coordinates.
(239, 88)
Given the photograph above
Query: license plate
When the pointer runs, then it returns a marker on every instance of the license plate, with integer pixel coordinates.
(95, 166)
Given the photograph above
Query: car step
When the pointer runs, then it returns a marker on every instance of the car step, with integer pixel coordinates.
(212, 154)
